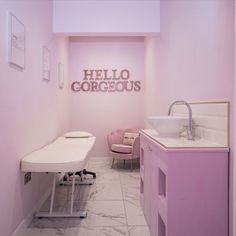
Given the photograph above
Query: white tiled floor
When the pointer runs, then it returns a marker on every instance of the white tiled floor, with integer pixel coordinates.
(112, 204)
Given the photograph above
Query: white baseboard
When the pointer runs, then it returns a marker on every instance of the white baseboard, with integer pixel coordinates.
(25, 222)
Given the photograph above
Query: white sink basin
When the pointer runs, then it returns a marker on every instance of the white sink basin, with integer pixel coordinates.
(168, 126)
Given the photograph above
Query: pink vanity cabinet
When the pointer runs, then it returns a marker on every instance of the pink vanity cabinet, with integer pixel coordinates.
(184, 191)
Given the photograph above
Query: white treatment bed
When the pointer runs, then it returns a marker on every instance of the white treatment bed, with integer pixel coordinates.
(65, 154)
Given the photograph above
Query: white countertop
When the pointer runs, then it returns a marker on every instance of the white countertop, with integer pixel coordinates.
(181, 142)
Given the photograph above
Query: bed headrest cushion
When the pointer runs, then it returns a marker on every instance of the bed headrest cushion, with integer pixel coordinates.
(77, 134)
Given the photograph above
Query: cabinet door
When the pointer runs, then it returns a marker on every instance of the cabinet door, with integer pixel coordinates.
(147, 184)
(154, 185)
(155, 181)
(150, 182)
(153, 191)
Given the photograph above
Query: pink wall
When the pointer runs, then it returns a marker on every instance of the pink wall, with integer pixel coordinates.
(153, 106)
(192, 58)
(193, 54)
(103, 112)
(33, 112)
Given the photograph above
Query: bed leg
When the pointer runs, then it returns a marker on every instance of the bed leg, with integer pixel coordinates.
(72, 194)
(53, 193)
(112, 162)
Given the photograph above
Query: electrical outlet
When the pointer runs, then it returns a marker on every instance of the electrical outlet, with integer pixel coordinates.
(27, 177)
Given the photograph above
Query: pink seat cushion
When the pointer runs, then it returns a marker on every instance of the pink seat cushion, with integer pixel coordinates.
(121, 148)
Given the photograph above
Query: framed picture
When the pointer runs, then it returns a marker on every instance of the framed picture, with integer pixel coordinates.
(16, 42)
(46, 63)
(60, 75)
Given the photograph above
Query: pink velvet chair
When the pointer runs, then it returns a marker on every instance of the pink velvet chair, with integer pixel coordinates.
(123, 149)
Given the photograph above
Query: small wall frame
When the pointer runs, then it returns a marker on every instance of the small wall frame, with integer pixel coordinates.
(45, 63)
(60, 75)
(16, 41)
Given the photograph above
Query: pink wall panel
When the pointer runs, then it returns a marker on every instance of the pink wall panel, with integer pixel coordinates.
(192, 58)
(33, 112)
(102, 112)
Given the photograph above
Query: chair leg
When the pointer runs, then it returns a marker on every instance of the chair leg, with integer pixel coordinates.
(131, 164)
(112, 162)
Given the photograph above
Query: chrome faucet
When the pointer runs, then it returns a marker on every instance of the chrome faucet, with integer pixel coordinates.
(190, 120)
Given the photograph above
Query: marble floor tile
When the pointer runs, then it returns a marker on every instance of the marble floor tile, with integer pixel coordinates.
(99, 213)
(48, 223)
(138, 231)
(103, 213)
(101, 191)
(99, 166)
(44, 227)
(130, 178)
(134, 213)
(42, 232)
(97, 231)
(106, 187)
(108, 177)
(119, 165)
(131, 193)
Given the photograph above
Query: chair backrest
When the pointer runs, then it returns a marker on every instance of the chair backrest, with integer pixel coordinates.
(116, 137)
(132, 130)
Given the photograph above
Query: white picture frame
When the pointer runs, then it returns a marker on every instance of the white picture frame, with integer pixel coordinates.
(45, 63)
(16, 42)
(60, 75)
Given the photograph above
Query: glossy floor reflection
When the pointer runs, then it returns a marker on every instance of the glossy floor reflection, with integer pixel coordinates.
(112, 204)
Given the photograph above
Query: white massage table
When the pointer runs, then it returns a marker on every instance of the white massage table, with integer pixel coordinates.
(61, 156)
